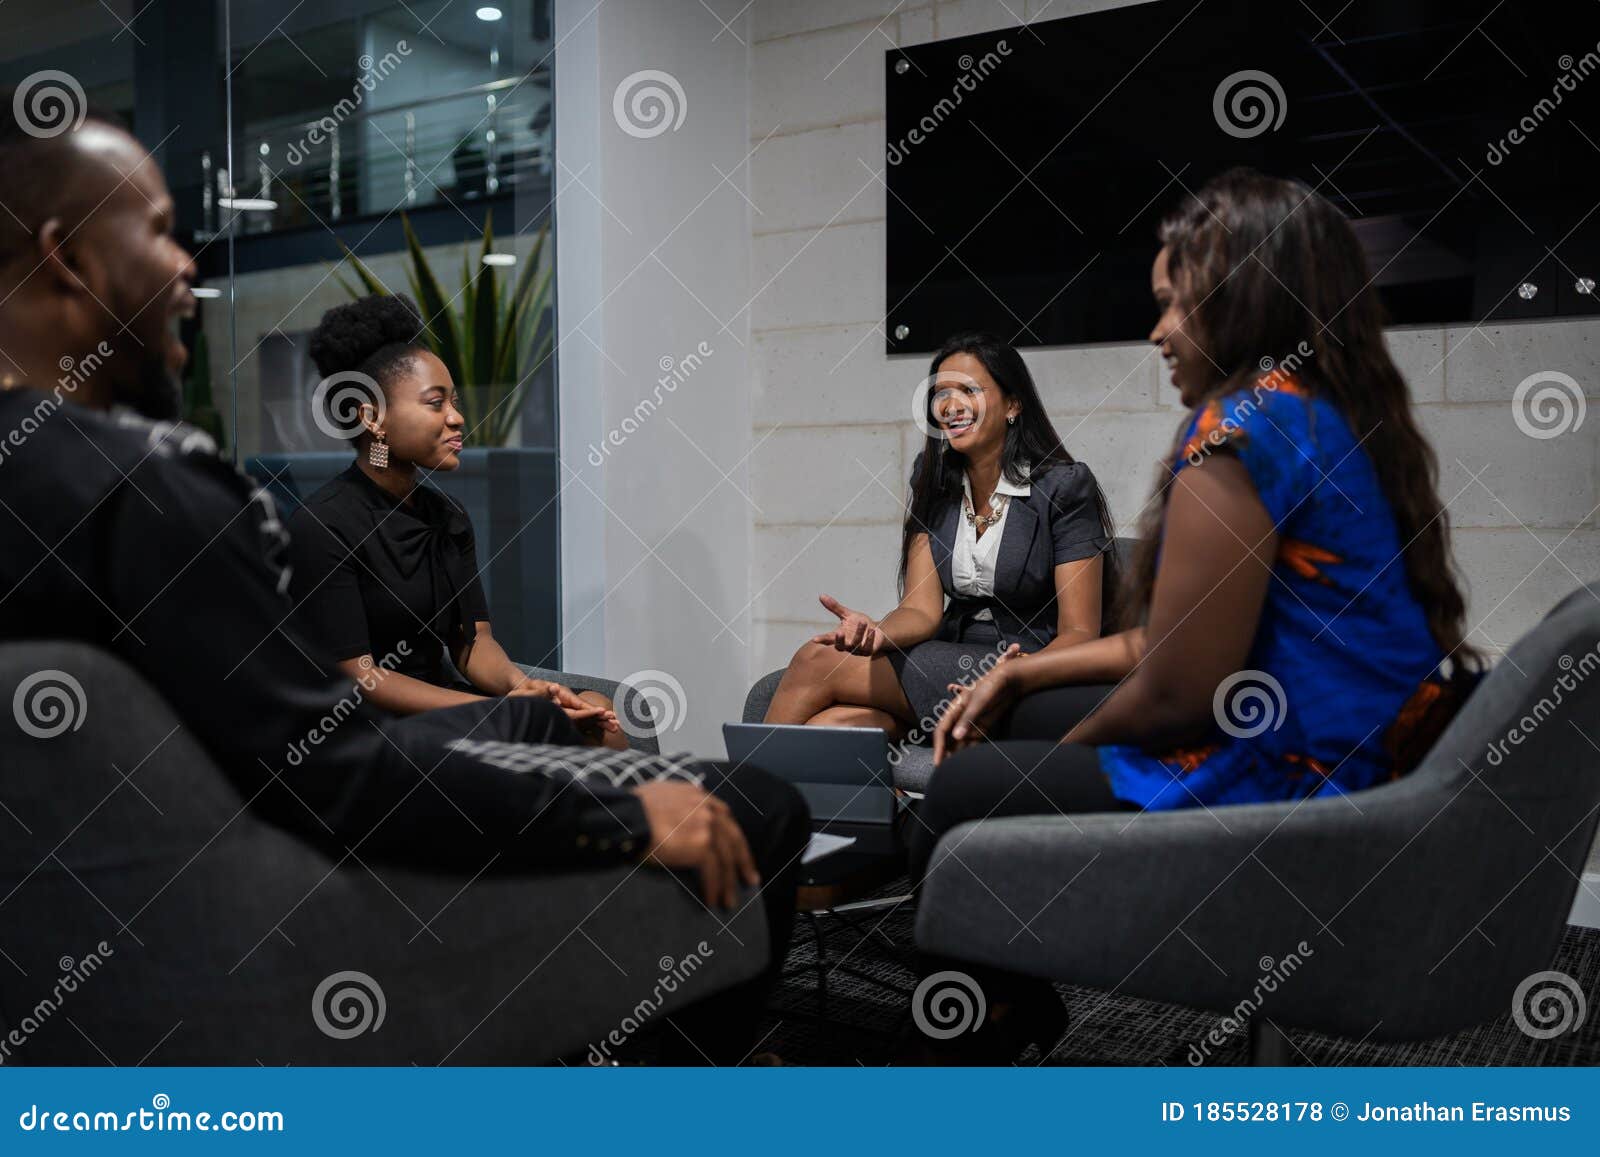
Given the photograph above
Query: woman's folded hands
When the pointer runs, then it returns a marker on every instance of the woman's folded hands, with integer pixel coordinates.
(587, 717)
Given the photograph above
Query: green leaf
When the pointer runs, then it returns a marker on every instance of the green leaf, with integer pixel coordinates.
(468, 298)
(521, 296)
(367, 277)
(492, 337)
(197, 382)
(436, 310)
(482, 317)
(530, 270)
(521, 323)
(533, 361)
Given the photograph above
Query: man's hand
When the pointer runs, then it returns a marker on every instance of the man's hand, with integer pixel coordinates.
(975, 710)
(856, 634)
(691, 828)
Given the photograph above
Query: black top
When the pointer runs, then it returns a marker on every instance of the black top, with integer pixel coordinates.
(372, 575)
(134, 537)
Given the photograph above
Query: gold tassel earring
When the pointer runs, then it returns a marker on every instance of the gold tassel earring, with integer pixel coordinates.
(378, 451)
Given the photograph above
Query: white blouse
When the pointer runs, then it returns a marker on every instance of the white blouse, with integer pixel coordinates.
(972, 562)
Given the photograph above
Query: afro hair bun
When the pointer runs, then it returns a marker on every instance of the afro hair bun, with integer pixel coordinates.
(350, 336)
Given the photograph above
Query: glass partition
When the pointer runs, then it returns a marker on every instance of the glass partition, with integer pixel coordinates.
(319, 152)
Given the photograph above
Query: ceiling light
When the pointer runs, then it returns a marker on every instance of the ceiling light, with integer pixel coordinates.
(499, 258)
(205, 291)
(248, 204)
(489, 13)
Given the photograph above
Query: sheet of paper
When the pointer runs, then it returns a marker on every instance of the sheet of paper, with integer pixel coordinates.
(823, 844)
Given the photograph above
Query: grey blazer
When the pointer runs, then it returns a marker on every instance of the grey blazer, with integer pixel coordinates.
(1057, 522)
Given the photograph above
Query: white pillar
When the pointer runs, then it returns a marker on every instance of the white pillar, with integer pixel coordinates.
(654, 270)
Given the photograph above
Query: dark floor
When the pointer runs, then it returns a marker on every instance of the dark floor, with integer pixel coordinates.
(870, 981)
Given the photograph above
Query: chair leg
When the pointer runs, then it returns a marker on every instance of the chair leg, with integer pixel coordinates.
(1268, 1044)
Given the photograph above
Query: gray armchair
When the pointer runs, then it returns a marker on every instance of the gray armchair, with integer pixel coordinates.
(1423, 904)
(913, 766)
(220, 926)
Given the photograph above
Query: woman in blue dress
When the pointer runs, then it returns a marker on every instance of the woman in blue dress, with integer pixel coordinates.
(1295, 624)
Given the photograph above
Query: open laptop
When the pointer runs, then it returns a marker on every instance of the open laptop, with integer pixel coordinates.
(843, 772)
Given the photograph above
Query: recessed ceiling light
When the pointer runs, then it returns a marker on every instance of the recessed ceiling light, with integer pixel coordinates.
(499, 258)
(205, 291)
(489, 13)
(248, 204)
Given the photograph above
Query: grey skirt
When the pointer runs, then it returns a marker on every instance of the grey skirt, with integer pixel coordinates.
(927, 670)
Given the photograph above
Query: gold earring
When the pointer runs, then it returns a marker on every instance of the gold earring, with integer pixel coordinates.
(378, 451)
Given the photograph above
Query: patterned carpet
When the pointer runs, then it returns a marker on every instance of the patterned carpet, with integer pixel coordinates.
(866, 1008)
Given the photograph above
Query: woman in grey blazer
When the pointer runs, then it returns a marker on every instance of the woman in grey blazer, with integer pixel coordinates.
(1006, 548)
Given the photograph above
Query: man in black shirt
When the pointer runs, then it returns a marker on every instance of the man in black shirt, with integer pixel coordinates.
(125, 530)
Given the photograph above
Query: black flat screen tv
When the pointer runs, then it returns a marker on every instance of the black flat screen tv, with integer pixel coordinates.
(1028, 168)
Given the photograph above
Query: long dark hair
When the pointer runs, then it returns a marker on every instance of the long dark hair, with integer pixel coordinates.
(1262, 265)
(1031, 447)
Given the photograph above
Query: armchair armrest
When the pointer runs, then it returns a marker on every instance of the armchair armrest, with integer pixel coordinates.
(760, 696)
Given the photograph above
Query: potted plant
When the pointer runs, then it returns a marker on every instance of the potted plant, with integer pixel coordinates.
(492, 339)
(199, 408)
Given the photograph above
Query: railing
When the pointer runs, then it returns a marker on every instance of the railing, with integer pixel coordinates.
(461, 146)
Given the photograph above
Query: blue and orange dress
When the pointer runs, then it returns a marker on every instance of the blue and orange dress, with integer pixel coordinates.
(1343, 663)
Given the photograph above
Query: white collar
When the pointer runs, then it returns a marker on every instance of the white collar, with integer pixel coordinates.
(1004, 486)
